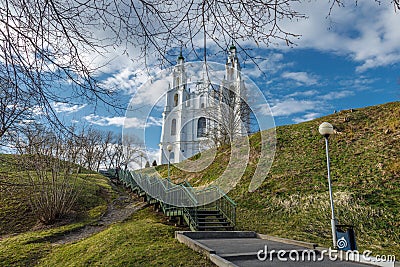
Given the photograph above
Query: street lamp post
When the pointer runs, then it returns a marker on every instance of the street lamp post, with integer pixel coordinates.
(169, 148)
(326, 129)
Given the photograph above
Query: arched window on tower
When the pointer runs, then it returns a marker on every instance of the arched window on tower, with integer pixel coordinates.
(201, 127)
(176, 97)
(173, 127)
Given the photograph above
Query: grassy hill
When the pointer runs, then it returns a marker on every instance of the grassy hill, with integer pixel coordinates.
(16, 215)
(144, 239)
(293, 201)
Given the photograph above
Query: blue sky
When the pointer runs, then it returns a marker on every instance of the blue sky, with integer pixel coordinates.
(348, 60)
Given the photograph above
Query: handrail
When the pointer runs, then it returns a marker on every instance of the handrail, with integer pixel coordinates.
(165, 189)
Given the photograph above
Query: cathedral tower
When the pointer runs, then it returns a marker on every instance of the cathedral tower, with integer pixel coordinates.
(185, 121)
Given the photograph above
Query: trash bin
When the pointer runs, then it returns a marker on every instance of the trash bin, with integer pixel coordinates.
(346, 239)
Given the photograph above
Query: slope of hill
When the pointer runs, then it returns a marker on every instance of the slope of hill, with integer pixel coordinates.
(16, 214)
(293, 201)
(141, 239)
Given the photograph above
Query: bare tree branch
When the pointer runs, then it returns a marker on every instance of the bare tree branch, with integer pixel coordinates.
(47, 46)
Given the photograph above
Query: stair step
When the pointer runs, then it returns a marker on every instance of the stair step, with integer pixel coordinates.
(209, 211)
(214, 224)
(210, 216)
(210, 219)
(202, 228)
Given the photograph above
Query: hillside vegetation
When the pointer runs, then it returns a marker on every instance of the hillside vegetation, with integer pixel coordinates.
(293, 201)
(143, 239)
(146, 239)
(16, 214)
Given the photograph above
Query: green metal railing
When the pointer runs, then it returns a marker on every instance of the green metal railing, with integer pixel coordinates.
(222, 203)
(179, 199)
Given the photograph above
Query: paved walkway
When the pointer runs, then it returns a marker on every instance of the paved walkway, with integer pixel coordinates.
(247, 249)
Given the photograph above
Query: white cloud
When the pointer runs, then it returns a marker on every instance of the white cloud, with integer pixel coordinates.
(271, 65)
(36, 110)
(122, 121)
(368, 32)
(139, 84)
(360, 83)
(151, 93)
(378, 61)
(307, 117)
(128, 79)
(112, 121)
(152, 121)
(305, 93)
(98, 120)
(60, 107)
(337, 95)
(291, 106)
(302, 78)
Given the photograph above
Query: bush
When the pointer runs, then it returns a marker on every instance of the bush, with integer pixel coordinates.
(53, 189)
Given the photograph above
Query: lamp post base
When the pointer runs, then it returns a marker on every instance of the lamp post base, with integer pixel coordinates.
(334, 236)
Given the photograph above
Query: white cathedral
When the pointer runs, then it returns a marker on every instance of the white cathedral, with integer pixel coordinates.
(188, 105)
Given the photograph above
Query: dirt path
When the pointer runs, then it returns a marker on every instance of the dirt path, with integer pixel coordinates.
(119, 210)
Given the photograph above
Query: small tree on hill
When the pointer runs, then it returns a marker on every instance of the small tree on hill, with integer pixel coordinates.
(52, 181)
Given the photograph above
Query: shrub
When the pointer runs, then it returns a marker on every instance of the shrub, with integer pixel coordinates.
(53, 187)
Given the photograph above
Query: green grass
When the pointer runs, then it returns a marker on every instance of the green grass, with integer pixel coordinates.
(16, 215)
(27, 248)
(293, 200)
(144, 240)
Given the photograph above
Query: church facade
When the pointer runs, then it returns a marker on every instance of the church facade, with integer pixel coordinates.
(192, 111)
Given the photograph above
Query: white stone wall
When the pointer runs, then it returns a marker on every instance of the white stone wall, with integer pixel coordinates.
(189, 108)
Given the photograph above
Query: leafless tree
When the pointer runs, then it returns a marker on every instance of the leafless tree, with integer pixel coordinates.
(106, 142)
(132, 150)
(120, 152)
(92, 152)
(15, 105)
(75, 141)
(51, 180)
(87, 147)
(228, 114)
(46, 45)
(45, 173)
(113, 153)
(32, 138)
